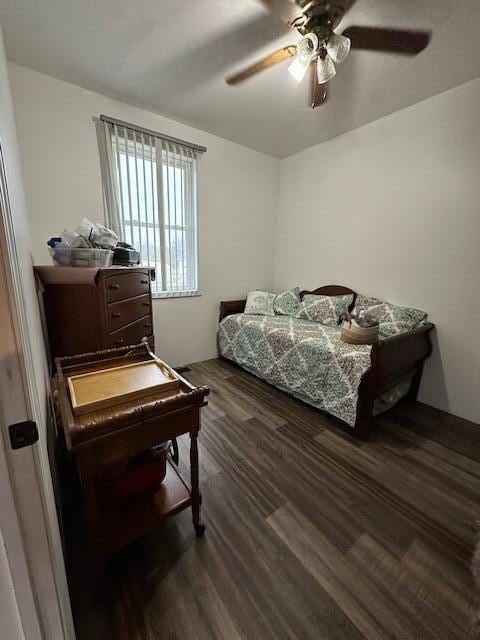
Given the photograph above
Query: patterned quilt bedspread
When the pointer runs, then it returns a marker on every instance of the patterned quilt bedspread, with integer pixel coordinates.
(305, 358)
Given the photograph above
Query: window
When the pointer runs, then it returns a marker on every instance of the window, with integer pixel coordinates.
(150, 193)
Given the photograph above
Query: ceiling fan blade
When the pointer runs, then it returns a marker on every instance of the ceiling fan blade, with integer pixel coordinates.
(319, 91)
(287, 10)
(406, 41)
(265, 63)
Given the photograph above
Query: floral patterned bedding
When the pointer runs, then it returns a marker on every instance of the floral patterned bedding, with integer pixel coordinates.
(305, 358)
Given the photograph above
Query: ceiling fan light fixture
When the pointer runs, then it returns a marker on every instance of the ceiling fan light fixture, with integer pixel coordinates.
(306, 50)
(338, 47)
(325, 69)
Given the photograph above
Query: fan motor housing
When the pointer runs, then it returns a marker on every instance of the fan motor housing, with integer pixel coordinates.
(319, 17)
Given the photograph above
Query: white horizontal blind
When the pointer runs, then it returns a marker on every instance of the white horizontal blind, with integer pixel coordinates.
(150, 192)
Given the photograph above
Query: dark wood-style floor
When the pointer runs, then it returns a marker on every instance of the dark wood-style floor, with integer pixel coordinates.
(310, 533)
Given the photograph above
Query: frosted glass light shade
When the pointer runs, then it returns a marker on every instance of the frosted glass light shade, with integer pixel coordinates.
(306, 50)
(325, 70)
(298, 68)
(338, 47)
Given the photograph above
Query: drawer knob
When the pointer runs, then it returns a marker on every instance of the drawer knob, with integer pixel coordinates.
(146, 304)
(116, 315)
(119, 341)
(147, 326)
(114, 286)
(144, 281)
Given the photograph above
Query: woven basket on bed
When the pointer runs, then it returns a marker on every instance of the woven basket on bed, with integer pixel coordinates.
(354, 334)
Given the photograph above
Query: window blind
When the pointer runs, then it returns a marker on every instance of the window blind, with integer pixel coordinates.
(150, 199)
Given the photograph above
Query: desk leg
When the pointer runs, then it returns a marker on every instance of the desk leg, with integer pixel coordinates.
(196, 497)
(86, 469)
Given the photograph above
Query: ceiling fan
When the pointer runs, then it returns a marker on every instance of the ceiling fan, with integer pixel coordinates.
(320, 48)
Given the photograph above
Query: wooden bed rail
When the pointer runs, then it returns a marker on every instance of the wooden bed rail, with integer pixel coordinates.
(394, 359)
(402, 349)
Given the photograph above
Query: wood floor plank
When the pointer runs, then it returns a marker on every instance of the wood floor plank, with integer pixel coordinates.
(448, 589)
(311, 533)
(419, 601)
(250, 550)
(419, 442)
(455, 434)
(355, 595)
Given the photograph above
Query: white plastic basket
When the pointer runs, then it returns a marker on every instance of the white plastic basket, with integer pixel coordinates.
(70, 257)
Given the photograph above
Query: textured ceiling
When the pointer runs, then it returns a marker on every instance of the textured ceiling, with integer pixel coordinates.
(171, 57)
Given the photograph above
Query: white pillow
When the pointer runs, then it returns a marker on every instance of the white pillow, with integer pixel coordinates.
(260, 303)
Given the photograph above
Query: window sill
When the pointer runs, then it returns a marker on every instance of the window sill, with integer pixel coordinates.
(169, 295)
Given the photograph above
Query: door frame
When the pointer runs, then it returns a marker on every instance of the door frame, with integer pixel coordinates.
(28, 516)
(20, 617)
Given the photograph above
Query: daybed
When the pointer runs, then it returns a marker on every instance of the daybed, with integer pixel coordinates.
(309, 361)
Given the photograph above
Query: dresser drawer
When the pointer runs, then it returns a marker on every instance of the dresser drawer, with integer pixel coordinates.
(126, 311)
(132, 333)
(126, 285)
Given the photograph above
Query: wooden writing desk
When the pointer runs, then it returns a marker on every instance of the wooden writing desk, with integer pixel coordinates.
(108, 436)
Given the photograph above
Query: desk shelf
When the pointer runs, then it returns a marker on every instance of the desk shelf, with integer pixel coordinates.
(129, 519)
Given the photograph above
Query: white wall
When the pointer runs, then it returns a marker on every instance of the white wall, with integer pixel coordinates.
(392, 209)
(237, 200)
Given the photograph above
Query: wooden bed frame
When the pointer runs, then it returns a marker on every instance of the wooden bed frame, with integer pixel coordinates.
(393, 360)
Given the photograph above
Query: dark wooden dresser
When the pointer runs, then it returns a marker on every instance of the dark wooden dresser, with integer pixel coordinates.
(90, 309)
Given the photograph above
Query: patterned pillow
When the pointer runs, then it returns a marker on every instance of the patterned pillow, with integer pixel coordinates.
(392, 318)
(324, 309)
(260, 303)
(287, 302)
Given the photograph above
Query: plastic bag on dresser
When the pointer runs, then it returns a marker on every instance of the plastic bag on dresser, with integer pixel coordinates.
(97, 234)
